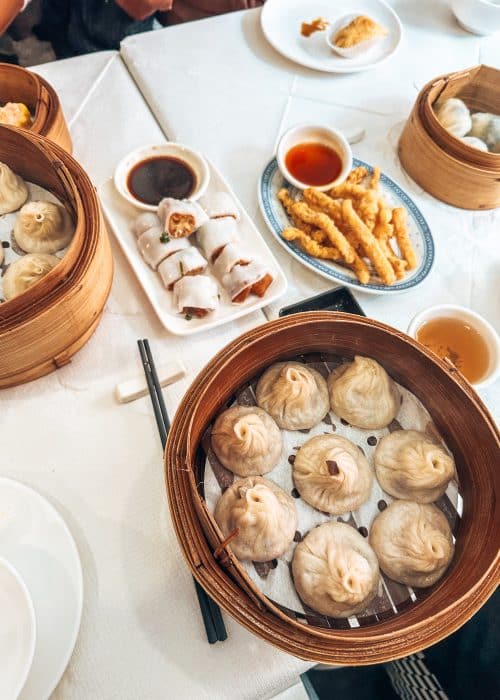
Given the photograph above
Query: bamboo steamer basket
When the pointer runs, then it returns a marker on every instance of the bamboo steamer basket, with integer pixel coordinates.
(41, 329)
(20, 85)
(439, 162)
(462, 420)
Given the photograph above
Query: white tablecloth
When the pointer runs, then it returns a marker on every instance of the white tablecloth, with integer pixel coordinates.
(218, 86)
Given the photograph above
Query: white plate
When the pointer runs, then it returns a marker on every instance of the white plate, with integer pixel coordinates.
(120, 215)
(281, 21)
(37, 542)
(17, 632)
(276, 218)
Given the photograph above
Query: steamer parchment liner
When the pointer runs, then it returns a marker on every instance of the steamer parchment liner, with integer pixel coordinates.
(273, 578)
(460, 417)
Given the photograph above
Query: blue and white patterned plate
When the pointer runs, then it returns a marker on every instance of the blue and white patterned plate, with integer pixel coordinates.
(276, 218)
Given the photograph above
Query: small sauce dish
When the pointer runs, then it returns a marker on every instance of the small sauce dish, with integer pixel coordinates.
(314, 156)
(148, 174)
(354, 51)
(462, 336)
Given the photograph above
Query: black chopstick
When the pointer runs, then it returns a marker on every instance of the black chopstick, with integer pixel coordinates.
(211, 613)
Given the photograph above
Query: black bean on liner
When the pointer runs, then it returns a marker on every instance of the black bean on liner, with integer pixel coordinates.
(344, 422)
(5, 244)
(274, 563)
(363, 531)
(297, 537)
(291, 459)
(327, 419)
(372, 440)
(295, 493)
(381, 505)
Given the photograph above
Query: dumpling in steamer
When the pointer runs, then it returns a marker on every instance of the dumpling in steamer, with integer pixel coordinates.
(246, 440)
(363, 394)
(410, 465)
(413, 543)
(264, 514)
(180, 217)
(335, 571)
(43, 227)
(24, 272)
(293, 394)
(332, 474)
(13, 190)
(454, 116)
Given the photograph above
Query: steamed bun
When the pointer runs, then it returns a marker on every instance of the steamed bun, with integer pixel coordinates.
(295, 395)
(363, 394)
(410, 465)
(246, 440)
(332, 474)
(413, 543)
(335, 571)
(263, 512)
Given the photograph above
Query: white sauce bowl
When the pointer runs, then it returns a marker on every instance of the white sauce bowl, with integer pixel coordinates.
(308, 133)
(192, 158)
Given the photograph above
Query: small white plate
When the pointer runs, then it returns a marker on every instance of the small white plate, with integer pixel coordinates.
(17, 632)
(120, 215)
(276, 218)
(281, 21)
(37, 542)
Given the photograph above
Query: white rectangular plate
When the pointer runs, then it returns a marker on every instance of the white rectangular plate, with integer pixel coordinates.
(120, 215)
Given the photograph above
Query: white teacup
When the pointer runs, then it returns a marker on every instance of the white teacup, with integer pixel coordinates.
(477, 16)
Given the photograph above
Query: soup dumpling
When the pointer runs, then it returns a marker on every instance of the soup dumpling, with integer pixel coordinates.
(413, 543)
(486, 126)
(265, 515)
(295, 395)
(332, 474)
(246, 440)
(24, 272)
(335, 571)
(363, 394)
(13, 190)
(454, 116)
(410, 465)
(43, 227)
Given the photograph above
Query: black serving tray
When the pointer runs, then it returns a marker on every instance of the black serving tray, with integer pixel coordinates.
(339, 299)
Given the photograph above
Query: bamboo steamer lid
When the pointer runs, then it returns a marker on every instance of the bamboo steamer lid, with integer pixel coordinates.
(442, 164)
(460, 417)
(20, 85)
(41, 329)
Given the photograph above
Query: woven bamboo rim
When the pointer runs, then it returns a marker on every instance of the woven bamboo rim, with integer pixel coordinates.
(442, 164)
(459, 415)
(20, 85)
(41, 329)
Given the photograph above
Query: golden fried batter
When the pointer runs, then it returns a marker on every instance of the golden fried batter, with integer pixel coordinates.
(370, 244)
(309, 245)
(402, 237)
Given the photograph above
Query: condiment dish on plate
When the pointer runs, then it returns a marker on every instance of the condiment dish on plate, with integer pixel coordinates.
(161, 167)
(359, 49)
(325, 160)
(473, 325)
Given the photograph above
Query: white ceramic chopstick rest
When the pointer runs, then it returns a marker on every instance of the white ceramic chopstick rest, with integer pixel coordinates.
(136, 388)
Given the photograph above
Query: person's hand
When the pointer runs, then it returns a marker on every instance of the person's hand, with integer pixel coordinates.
(141, 9)
(9, 9)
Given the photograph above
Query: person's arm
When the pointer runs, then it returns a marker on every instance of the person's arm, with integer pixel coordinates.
(186, 10)
(9, 9)
(142, 9)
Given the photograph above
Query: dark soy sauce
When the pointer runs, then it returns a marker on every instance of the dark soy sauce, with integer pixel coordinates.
(161, 176)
